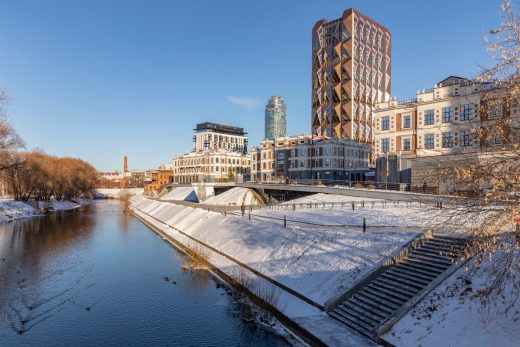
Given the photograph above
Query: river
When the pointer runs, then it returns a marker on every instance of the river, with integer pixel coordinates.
(97, 277)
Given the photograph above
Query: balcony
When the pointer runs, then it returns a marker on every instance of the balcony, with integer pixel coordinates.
(406, 102)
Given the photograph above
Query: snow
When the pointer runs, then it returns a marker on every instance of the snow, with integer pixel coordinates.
(11, 210)
(320, 263)
(62, 205)
(114, 192)
(81, 201)
(234, 196)
(307, 316)
(322, 197)
(450, 316)
(181, 193)
(329, 209)
(322, 252)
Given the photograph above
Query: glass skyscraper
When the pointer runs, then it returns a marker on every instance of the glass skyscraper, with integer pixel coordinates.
(275, 118)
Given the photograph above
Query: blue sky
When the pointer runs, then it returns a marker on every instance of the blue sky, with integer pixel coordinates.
(100, 79)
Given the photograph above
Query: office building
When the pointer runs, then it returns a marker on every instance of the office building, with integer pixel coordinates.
(275, 118)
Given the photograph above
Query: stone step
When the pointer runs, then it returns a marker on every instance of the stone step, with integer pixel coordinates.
(450, 239)
(430, 259)
(359, 313)
(424, 265)
(383, 283)
(410, 276)
(383, 296)
(384, 300)
(353, 323)
(439, 243)
(402, 279)
(432, 253)
(395, 296)
(416, 270)
(375, 310)
(438, 252)
(376, 303)
(443, 250)
(397, 285)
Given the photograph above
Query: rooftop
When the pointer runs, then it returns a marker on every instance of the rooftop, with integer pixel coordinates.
(221, 128)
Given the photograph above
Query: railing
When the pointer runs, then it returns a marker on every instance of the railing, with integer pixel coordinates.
(424, 91)
(351, 205)
(409, 101)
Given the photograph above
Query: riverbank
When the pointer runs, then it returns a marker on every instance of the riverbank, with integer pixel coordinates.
(306, 266)
(323, 251)
(113, 193)
(11, 210)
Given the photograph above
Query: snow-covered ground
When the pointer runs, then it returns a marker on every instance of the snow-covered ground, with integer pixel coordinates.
(181, 193)
(337, 209)
(235, 196)
(62, 205)
(451, 316)
(322, 197)
(114, 192)
(319, 263)
(11, 210)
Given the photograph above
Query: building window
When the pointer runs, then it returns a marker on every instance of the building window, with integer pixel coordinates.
(407, 144)
(466, 112)
(302, 163)
(447, 140)
(407, 121)
(465, 138)
(385, 123)
(327, 162)
(429, 141)
(385, 145)
(429, 117)
(327, 150)
(494, 110)
(447, 114)
(300, 152)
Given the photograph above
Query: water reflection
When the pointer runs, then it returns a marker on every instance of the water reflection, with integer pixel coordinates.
(98, 277)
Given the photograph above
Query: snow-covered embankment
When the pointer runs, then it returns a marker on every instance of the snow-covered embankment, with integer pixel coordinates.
(317, 263)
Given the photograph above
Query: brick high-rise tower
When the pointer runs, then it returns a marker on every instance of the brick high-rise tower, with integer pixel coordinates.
(350, 73)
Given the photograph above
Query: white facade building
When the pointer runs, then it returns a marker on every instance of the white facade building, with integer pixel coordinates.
(211, 166)
(211, 136)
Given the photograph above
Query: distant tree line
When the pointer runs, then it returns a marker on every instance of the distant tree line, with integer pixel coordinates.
(37, 175)
(41, 176)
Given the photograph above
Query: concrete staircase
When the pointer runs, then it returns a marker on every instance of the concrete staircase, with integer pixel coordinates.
(401, 284)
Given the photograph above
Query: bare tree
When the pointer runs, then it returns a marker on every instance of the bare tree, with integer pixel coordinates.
(9, 139)
(486, 184)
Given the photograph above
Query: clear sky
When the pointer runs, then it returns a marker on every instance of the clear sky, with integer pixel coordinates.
(98, 79)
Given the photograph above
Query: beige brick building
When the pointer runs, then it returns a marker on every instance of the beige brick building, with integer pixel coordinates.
(448, 119)
(441, 120)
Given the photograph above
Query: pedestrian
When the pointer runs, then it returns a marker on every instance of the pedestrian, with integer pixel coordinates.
(243, 209)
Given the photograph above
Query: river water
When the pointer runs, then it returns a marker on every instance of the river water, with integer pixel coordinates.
(96, 277)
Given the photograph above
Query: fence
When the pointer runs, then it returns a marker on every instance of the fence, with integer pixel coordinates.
(246, 211)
